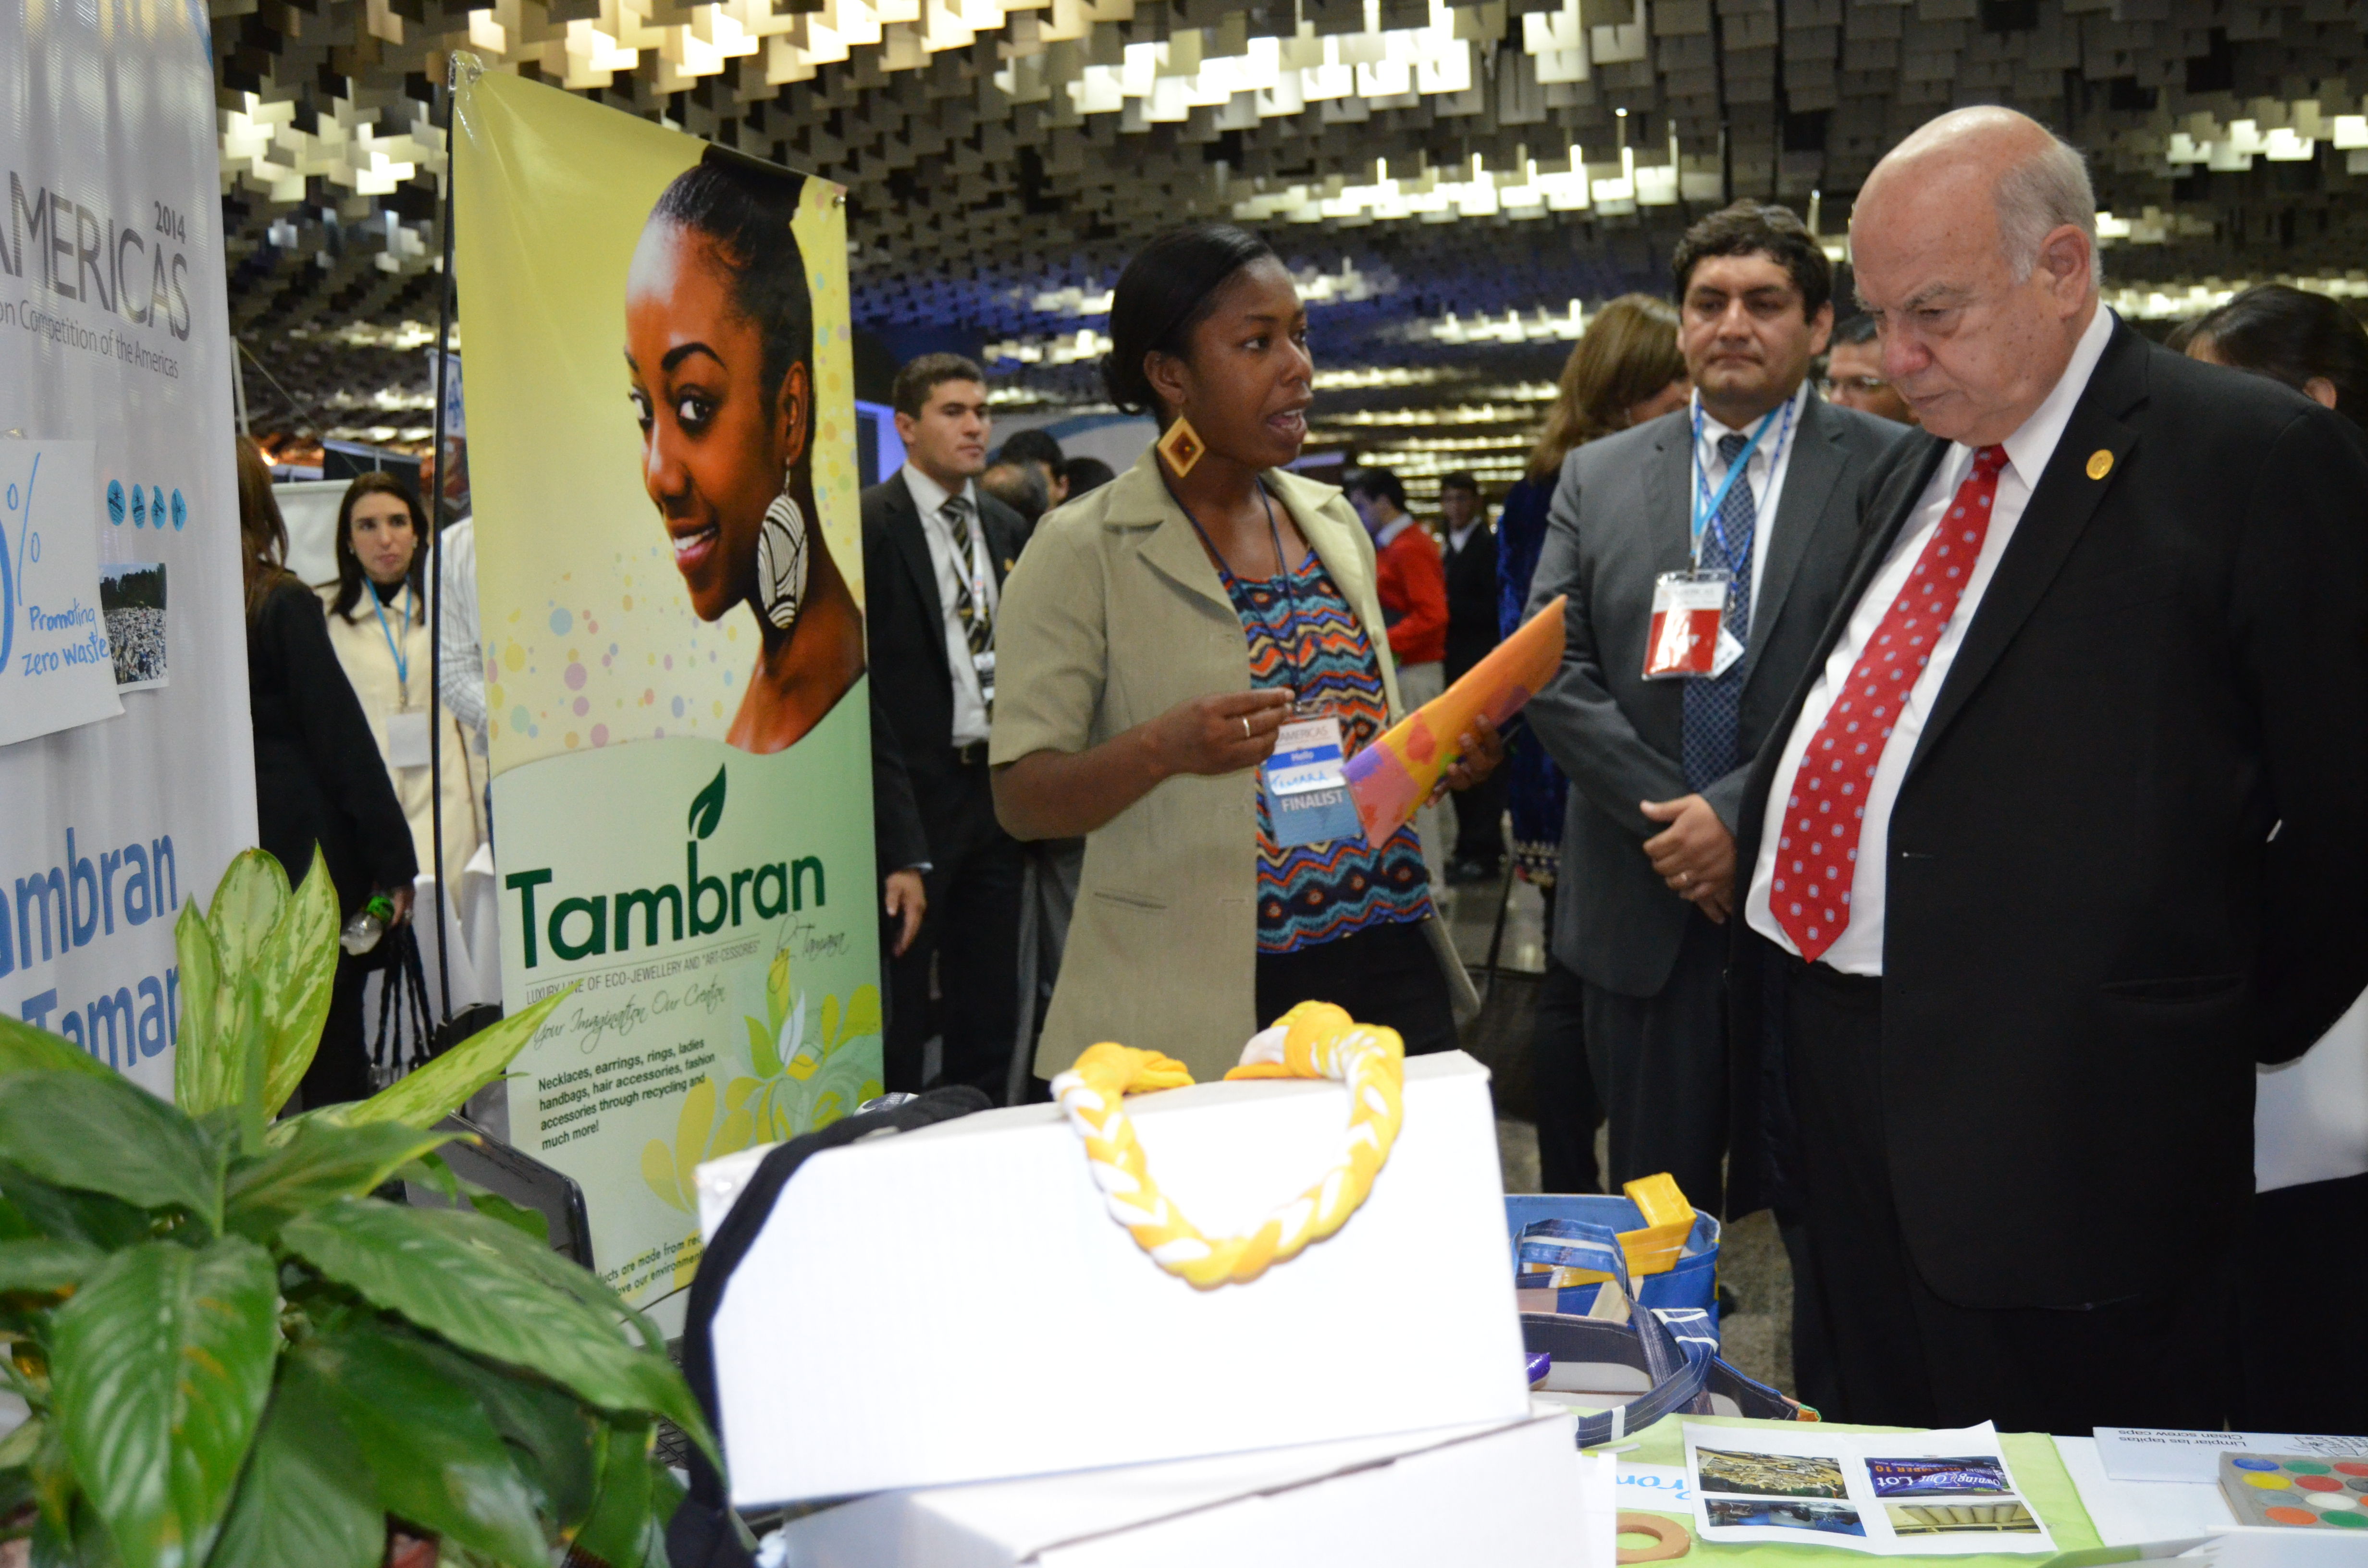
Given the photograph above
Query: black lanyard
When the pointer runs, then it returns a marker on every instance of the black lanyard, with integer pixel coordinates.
(1290, 589)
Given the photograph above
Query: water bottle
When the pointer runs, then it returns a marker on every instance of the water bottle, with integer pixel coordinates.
(369, 924)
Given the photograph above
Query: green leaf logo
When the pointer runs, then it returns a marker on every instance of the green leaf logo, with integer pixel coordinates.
(707, 807)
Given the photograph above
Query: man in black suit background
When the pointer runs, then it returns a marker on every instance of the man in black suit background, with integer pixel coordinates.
(1468, 543)
(935, 551)
(2068, 824)
(1656, 765)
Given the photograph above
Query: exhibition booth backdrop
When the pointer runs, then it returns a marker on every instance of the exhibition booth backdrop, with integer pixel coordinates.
(671, 621)
(126, 761)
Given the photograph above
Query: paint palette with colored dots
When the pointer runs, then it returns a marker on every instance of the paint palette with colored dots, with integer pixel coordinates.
(2296, 1490)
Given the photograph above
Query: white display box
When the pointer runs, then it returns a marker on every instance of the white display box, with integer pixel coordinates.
(1486, 1494)
(955, 1305)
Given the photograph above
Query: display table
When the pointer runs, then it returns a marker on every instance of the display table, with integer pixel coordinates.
(2039, 1473)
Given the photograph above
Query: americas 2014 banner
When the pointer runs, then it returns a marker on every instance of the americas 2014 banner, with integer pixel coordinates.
(125, 758)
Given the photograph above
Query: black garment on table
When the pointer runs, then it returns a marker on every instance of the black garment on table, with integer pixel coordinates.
(1660, 1067)
(2307, 1267)
(1384, 975)
(319, 779)
(1562, 1085)
(972, 929)
(704, 1532)
(974, 882)
(2089, 931)
(2163, 1356)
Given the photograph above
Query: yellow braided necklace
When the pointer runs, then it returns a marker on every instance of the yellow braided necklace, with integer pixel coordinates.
(1314, 1039)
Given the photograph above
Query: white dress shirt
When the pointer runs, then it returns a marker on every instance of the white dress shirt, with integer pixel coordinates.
(1764, 470)
(1458, 538)
(1859, 950)
(459, 663)
(929, 498)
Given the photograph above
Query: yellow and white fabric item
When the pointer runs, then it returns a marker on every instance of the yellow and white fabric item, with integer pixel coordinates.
(1314, 1039)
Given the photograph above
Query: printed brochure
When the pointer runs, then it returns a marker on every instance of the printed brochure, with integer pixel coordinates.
(1891, 1493)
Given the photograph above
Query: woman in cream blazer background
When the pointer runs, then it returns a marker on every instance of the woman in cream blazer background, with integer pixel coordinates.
(379, 605)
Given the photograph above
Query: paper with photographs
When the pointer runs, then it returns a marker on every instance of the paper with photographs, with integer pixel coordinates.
(1892, 1493)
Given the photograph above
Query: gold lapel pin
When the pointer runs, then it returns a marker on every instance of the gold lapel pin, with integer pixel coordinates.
(2100, 463)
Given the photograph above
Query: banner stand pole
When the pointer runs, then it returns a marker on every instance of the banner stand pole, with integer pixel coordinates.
(436, 571)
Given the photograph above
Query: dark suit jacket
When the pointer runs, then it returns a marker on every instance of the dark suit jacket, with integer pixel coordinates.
(1621, 517)
(905, 625)
(896, 831)
(2089, 932)
(1471, 598)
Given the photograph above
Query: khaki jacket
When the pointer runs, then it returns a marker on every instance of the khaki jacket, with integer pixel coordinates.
(1113, 615)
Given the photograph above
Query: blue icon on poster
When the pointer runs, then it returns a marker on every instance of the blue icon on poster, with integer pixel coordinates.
(155, 507)
(115, 502)
(180, 512)
(139, 507)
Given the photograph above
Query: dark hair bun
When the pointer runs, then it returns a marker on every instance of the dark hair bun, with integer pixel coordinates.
(1165, 291)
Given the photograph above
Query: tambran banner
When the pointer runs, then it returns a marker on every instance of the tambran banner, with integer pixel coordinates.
(662, 449)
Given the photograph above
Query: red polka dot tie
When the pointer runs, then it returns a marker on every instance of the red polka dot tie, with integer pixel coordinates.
(1817, 856)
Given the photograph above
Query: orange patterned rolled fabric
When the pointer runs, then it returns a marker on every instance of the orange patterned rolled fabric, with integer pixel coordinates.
(1395, 775)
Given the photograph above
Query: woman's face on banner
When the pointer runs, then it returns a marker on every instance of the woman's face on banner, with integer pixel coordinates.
(713, 453)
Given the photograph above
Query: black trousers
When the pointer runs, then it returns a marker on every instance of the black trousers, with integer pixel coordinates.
(1384, 975)
(1905, 1356)
(1563, 1085)
(972, 932)
(1660, 1067)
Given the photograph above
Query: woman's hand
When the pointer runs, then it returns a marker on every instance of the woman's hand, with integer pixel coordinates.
(1052, 794)
(1221, 733)
(1482, 751)
(400, 898)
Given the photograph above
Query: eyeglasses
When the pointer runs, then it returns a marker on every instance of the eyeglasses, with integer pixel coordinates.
(1865, 386)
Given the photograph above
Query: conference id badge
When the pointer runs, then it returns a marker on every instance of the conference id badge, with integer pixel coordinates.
(406, 738)
(984, 665)
(1689, 626)
(1305, 782)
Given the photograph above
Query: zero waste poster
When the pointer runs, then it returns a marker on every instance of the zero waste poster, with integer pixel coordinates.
(662, 430)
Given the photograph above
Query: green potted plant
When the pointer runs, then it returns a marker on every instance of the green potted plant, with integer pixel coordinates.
(235, 1357)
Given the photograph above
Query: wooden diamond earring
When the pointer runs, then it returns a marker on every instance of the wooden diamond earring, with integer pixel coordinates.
(1181, 445)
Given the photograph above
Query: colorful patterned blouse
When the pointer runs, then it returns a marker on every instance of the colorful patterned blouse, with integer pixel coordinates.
(1307, 640)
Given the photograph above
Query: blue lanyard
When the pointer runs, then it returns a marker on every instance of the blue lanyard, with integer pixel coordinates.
(1706, 517)
(401, 661)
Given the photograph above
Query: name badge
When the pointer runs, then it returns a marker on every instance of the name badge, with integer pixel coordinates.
(1306, 787)
(982, 664)
(1688, 637)
(406, 740)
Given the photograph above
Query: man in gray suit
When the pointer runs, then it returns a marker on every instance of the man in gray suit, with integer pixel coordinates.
(1657, 766)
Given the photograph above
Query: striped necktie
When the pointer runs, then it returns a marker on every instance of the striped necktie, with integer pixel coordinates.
(1713, 713)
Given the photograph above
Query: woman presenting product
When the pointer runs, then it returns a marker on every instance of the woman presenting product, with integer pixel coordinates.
(719, 341)
(1155, 641)
(378, 623)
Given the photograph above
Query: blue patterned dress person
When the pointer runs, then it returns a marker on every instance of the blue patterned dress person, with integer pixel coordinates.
(1303, 637)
